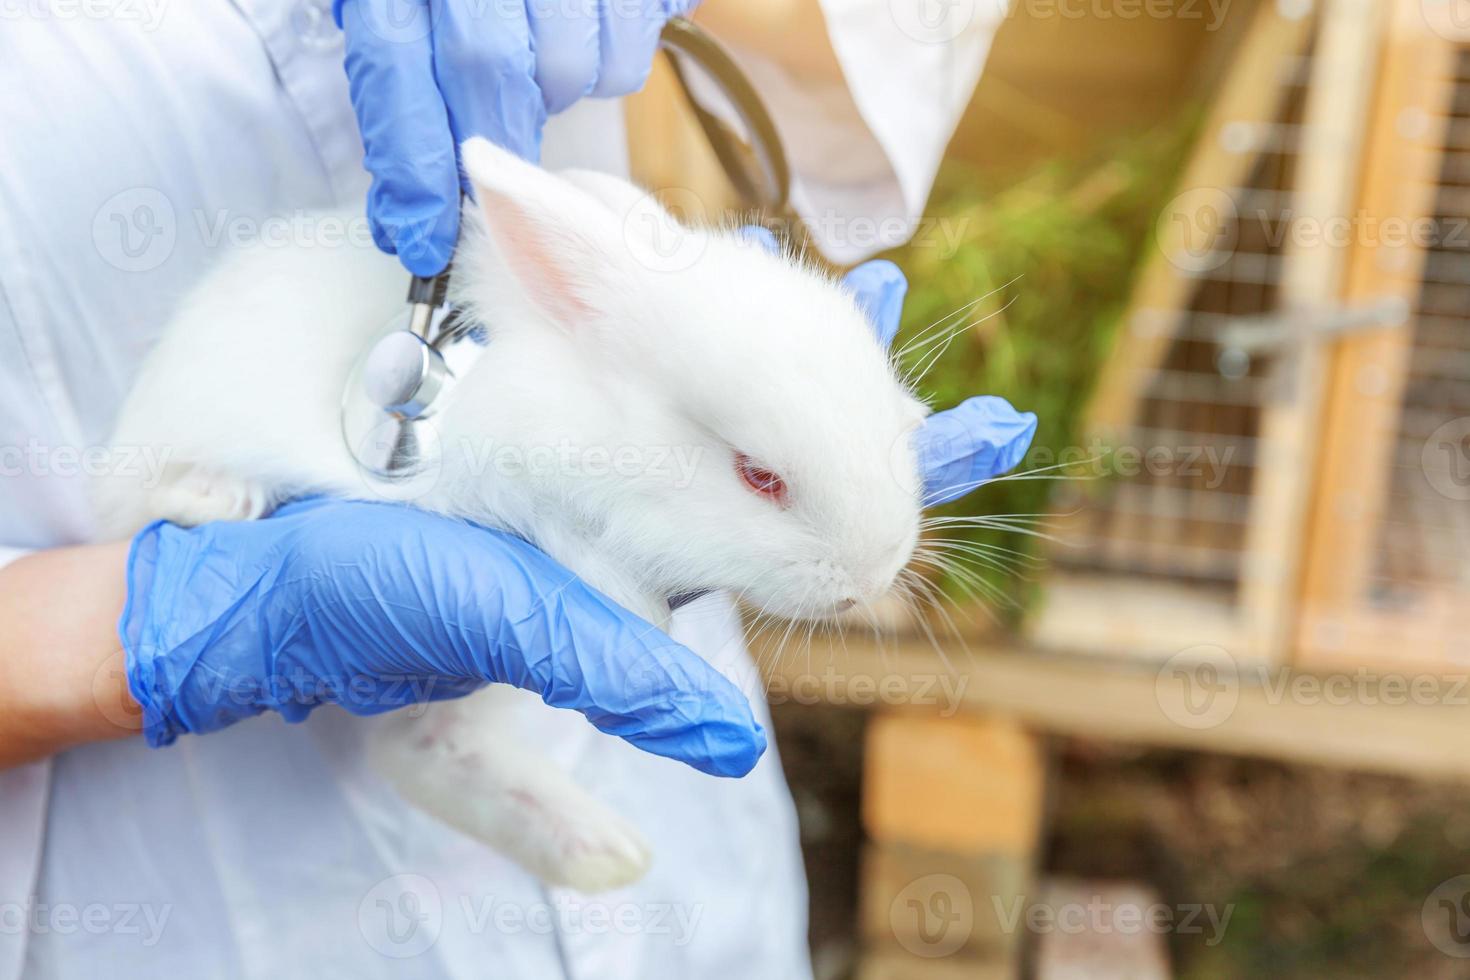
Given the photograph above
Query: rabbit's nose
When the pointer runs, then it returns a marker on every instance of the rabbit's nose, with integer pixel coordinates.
(846, 604)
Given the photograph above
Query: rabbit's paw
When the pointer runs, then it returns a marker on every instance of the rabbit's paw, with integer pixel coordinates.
(589, 848)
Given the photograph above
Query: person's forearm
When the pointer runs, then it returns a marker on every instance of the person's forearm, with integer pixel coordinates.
(62, 681)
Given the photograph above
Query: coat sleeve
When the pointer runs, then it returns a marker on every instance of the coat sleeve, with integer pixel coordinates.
(22, 832)
(866, 104)
(22, 829)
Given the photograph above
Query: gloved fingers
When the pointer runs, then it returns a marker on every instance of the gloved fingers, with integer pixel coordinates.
(632, 680)
(376, 606)
(413, 204)
(761, 236)
(567, 41)
(970, 444)
(879, 287)
(422, 596)
(578, 649)
(629, 40)
(484, 66)
(966, 446)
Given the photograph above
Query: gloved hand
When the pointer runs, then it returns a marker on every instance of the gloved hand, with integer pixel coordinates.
(374, 606)
(961, 448)
(492, 69)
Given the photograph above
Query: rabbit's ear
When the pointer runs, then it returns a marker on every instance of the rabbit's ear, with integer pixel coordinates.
(565, 251)
(614, 193)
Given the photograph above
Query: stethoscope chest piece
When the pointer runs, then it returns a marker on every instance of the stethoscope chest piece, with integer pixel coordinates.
(397, 390)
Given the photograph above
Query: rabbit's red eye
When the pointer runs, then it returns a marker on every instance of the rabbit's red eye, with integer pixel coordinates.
(761, 480)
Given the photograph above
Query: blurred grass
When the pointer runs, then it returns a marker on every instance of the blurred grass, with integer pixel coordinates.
(1054, 254)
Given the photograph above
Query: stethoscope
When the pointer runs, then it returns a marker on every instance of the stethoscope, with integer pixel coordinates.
(408, 375)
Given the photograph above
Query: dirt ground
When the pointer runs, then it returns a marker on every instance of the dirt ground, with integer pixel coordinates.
(822, 751)
(1326, 873)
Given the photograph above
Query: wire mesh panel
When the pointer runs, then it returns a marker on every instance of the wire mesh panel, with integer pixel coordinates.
(1424, 541)
(1181, 512)
(1210, 403)
(1388, 571)
(1213, 403)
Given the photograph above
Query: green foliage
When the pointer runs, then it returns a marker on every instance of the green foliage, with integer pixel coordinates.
(1054, 254)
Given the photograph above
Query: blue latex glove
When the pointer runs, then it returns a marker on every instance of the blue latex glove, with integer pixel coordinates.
(961, 448)
(374, 606)
(426, 75)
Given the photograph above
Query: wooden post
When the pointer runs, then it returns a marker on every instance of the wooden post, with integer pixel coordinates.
(1344, 70)
(953, 807)
(1367, 372)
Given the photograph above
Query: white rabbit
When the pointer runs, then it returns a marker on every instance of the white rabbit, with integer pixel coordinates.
(759, 431)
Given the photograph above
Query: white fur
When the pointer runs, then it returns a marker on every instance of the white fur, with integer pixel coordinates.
(648, 368)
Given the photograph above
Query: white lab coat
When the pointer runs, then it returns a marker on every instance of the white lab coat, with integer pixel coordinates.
(134, 135)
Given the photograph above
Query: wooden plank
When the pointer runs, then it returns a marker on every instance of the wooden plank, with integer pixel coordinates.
(933, 904)
(1426, 638)
(1101, 932)
(1133, 618)
(1335, 122)
(899, 964)
(1070, 84)
(1412, 723)
(970, 785)
(1368, 370)
(1251, 92)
